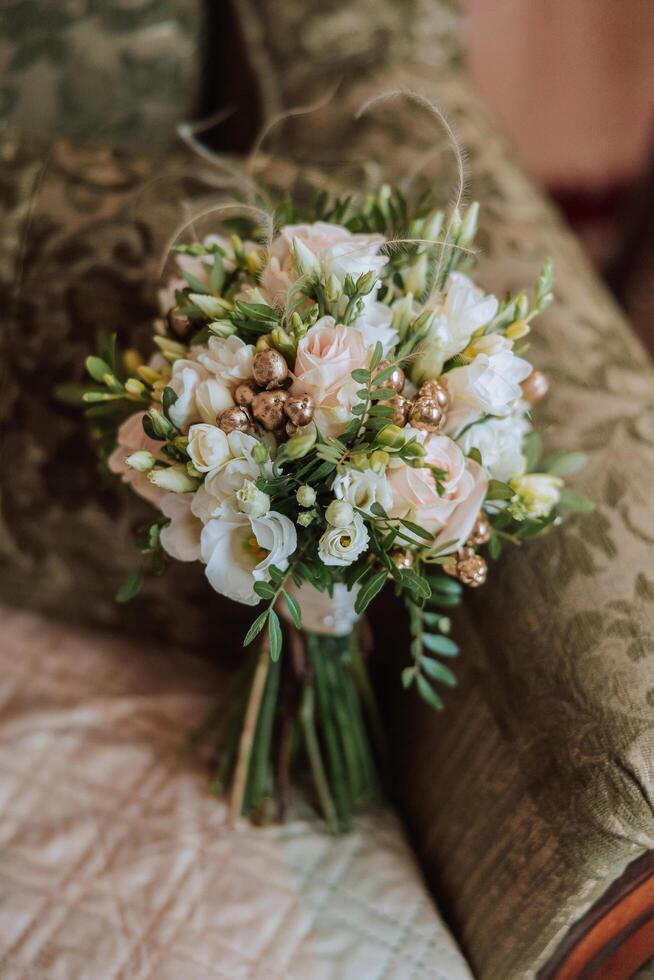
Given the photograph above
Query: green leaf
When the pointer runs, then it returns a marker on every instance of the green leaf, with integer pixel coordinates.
(275, 634)
(383, 394)
(443, 583)
(438, 671)
(256, 627)
(97, 368)
(130, 587)
(475, 455)
(294, 610)
(408, 676)
(417, 529)
(416, 583)
(361, 376)
(495, 547)
(168, 398)
(437, 643)
(564, 464)
(497, 490)
(428, 694)
(574, 503)
(376, 355)
(378, 510)
(532, 450)
(217, 278)
(369, 590)
(264, 590)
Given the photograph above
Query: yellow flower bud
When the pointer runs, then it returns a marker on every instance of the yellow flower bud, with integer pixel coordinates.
(135, 389)
(379, 460)
(132, 360)
(517, 330)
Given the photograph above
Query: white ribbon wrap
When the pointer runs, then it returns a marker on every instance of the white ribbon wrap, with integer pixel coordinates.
(322, 613)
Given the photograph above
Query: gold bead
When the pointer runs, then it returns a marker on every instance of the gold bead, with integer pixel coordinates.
(395, 379)
(427, 414)
(481, 531)
(245, 392)
(300, 409)
(178, 322)
(472, 571)
(235, 419)
(437, 391)
(270, 369)
(535, 387)
(296, 430)
(401, 409)
(402, 558)
(268, 409)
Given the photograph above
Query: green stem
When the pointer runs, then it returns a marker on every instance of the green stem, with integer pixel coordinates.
(260, 765)
(367, 695)
(344, 728)
(329, 727)
(307, 716)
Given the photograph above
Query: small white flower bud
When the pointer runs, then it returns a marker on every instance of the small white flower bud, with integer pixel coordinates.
(174, 478)
(143, 461)
(306, 518)
(333, 288)
(339, 513)
(304, 260)
(252, 501)
(306, 496)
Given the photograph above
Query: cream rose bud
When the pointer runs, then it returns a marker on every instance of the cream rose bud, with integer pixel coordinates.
(339, 513)
(537, 494)
(343, 545)
(252, 501)
(181, 537)
(239, 550)
(208, 447)
(229, 359)
(362, 488)
(173, 478)
(142, 460)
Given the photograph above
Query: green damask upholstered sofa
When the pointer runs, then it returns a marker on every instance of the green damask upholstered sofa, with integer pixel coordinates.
(529, 800)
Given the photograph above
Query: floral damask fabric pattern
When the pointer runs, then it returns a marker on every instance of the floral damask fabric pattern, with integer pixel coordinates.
(115, 71)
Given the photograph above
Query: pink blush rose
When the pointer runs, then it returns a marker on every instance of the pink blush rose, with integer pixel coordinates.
(131, 439)
(326, 357)
(449, 517)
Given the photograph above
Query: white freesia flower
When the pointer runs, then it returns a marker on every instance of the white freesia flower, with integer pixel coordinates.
(490, 385)
(537, 493)
(208, 447)
(181, 538)
(185, 378)
(252, 501)
(224, 482)
(229, 359)
(464, 309)
(375, 323)
(239, 550)
(500, 443)
(343, 545)
(362, 488)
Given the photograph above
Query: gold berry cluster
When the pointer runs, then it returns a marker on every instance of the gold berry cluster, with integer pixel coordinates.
(264, 398)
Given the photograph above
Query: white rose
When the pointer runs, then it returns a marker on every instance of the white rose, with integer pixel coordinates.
(343, 545)
(207, 447)
(490, 385)
(239, 550)
(537, 493)
(185, 378)
(230, 359)
(500, 443)
(362, 488)
(181, 538)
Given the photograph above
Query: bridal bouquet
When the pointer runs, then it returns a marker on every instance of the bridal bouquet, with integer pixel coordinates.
(333, 406)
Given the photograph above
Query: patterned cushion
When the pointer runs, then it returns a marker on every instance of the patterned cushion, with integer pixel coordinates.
(115, 72)
(117, 861)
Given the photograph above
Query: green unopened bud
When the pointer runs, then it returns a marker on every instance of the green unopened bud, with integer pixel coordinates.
(414, 451)
(379, 460)
(237, 245)
(469, 225)
(415, 281)
(521, 306)
(299, 445)
(332, 289)
(143, 461)
(221, 328)
(135, 388)
(305, 495)
(161, 426)
(455, 224)
(173, 478)
(428, 363)
(359, 461)
(283, 342)
(252, 501)
(402, 314)
(340, 513)
(211, 306)
(297, 325)
(433, 226)
(305, 262)
(366, 283)
(169, 347)
(306, 518)
(391, 436)
(260, 453)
